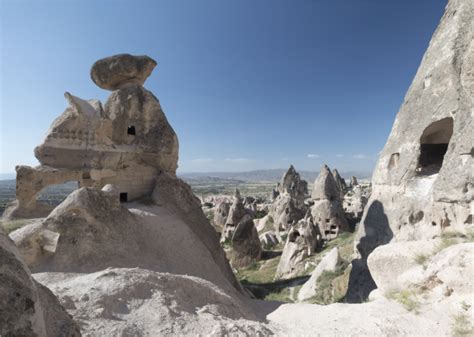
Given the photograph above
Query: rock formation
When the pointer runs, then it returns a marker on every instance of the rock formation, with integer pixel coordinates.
(302, 241)
(341, 183)
(329, 263)
(237, 212)
(354, 203)
(353, 182)
(246, 245)
(288, 206)
(26, 307)
(221, 212)
(127, 142)
(423, 181)
(327, 209)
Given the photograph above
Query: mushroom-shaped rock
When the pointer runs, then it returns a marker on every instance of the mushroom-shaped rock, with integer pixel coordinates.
(113, 72)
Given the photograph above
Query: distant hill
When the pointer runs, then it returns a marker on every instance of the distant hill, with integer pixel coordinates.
(271, 175)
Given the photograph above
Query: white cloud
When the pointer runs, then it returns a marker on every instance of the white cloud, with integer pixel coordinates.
(339, 155)
(360, 156)
(312, 155)
(202, 160)
(284, 159)
(238, 160)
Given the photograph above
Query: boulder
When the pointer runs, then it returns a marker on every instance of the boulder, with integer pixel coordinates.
(329, 263)
(388, 262)
(114, 72)
(269, 239)
(26, 307)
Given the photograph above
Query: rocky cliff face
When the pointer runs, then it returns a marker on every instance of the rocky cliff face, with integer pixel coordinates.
(423, 182)
(26, 307)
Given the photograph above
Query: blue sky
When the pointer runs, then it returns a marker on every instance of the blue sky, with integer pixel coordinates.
(247, 84)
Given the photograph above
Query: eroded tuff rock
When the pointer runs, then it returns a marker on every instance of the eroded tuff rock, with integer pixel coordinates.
(90, 231)
(327, 209)
(341, 183)
(237, 214)
(115, 72)
(423, 181)
(126, 142)
(141, 302)
(288, 206)
(246, 246)
(329, 263)
(221, 212)
(26, 307)
(302, 241)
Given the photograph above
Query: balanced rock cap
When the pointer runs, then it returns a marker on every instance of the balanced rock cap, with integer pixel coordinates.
(112, 72)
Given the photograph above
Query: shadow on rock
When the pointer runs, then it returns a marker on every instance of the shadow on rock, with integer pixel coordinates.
(376, 232)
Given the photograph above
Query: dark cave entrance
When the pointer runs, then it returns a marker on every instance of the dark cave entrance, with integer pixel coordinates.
(131, 130)
(433, 146)
(123, 197)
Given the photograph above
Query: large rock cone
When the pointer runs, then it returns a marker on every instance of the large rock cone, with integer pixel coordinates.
(423, 181)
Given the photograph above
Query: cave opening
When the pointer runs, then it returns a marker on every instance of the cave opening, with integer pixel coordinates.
(434, 144)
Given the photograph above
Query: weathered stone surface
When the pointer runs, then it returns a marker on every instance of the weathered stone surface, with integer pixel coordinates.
(127, 142)
(114, 72)
(237, 212)
(325, 187)
(221, 212)
(341, 183)
(246, 245)
(141, 302)
(90, 231)
(329, 263)
(327, 209)
(288, 207)
(26, 307)
(388, 262)
(302, 241)
(292, 184)
(269, 239)
(353, 182)
(423, 181)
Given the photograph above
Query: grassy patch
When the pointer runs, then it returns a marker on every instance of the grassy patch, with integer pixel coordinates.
(421, 259)
(283, 295)
(259, 271)
(462, 326)
(407, 298)
(12, 225)
(345, 244)
(332, 285)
